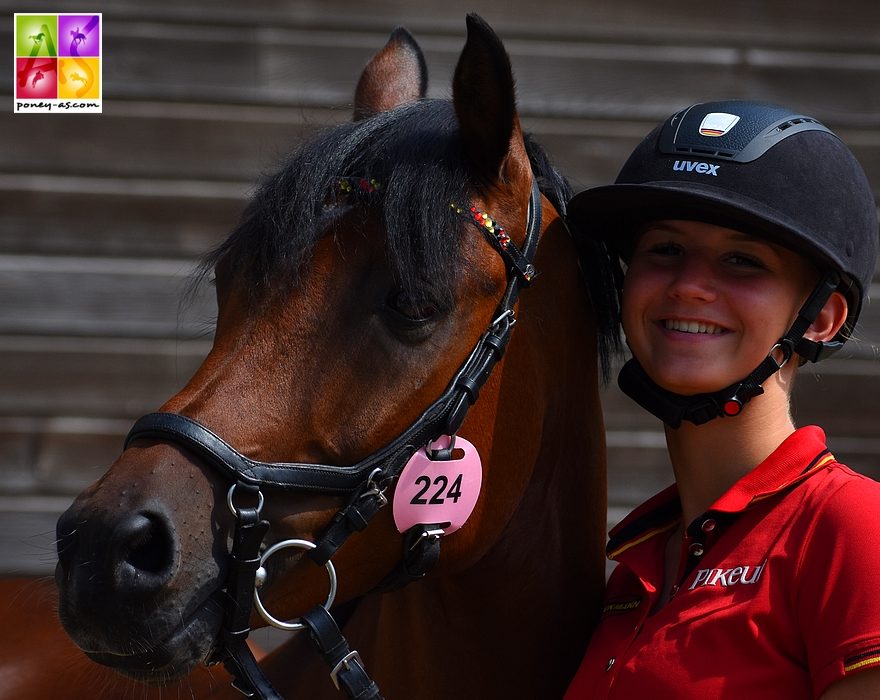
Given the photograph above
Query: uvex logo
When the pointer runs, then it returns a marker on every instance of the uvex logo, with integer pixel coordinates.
(745, 575)
(696, 166)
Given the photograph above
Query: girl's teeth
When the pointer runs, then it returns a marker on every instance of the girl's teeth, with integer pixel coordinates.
(692, 327)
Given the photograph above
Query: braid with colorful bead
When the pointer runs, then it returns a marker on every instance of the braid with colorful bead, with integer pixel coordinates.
(494, 232)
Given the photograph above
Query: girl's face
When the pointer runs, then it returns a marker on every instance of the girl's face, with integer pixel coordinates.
(703, 304)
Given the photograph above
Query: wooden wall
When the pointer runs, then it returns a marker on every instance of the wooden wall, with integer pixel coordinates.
(102, 217)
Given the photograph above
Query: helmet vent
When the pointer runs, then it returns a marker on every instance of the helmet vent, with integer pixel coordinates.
(795, 122)
(705, 151)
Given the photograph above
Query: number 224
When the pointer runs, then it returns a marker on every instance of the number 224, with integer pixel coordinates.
(438, 498)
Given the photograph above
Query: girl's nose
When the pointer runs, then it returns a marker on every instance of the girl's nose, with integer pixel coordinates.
(694, 279)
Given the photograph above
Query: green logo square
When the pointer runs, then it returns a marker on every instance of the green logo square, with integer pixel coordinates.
(35, 35)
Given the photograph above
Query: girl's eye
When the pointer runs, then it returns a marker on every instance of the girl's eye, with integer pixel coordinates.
(741, 260)
(665, 248)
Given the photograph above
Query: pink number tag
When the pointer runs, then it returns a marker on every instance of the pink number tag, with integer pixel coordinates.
(430, 491)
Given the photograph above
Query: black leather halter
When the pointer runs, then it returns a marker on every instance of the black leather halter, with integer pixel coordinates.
(364, 482)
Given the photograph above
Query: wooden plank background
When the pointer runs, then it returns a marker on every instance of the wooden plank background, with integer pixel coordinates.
(102, 217)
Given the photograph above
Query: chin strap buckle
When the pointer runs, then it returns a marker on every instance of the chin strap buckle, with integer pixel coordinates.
(732, 407)
(733, 402)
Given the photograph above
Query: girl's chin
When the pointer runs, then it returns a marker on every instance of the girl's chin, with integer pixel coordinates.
(691, 386)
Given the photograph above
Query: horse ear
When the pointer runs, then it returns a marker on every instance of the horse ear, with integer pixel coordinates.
(397, 74)
(483, 93)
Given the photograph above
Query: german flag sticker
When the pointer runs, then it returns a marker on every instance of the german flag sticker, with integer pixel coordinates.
(717, 123)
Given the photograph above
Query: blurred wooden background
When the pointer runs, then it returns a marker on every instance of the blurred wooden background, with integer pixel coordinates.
(102, 217)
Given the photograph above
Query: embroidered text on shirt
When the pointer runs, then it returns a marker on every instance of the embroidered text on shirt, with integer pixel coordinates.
(728, 577)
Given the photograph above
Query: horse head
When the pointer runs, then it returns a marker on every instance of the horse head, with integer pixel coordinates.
(363, 300)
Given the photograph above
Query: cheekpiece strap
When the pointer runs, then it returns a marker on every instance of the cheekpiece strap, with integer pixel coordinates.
(247, 676)
(347, 670)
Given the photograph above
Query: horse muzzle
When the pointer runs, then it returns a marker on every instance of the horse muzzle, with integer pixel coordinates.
(124, 596)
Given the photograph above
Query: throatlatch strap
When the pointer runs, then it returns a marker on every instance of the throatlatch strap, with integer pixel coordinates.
(346, 669)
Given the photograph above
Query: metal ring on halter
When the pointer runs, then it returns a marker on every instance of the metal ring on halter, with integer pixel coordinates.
(261, 578)
(373, 488)
(231, 505)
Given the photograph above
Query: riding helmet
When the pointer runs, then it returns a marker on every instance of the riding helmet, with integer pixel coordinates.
(754, 167)
(757, 168)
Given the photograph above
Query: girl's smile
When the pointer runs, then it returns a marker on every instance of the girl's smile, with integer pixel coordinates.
(685, 326)
(703, 304)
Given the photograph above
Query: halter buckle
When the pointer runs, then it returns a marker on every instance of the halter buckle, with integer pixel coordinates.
(344, 664)
(435, 532)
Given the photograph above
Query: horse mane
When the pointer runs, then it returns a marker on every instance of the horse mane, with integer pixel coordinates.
(414, 153)
(599, 266)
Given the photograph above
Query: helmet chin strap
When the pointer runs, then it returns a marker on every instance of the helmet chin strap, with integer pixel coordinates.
(674, 408)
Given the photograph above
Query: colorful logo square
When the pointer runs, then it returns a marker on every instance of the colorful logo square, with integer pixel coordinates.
(57, 62)
(79, 35)
(36, 78)
(79, 78)
(36, 35)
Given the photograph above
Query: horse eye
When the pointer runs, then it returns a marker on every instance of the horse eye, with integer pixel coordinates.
(415, 311)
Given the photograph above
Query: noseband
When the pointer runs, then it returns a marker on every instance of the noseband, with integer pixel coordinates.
(364, 483)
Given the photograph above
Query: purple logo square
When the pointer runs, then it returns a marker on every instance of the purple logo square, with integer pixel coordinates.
(79, 35)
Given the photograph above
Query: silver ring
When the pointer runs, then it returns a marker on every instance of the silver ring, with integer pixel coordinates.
(786, 356)
(280, 624)
(232, 505)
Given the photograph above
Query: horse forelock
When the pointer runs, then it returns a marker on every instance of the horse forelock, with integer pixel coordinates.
(415, 154)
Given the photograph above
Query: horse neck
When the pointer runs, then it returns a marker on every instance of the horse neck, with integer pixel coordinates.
(529, 600)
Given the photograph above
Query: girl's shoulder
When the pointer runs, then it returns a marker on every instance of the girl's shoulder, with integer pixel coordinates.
(844, 492)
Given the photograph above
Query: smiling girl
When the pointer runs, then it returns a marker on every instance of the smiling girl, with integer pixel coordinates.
(749, 235)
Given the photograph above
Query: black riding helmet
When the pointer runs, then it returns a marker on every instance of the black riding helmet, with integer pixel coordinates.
(757, 168)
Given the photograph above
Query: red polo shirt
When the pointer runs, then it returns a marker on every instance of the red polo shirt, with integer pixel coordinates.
(777, 589)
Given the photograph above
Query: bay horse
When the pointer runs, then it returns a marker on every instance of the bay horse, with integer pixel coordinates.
(367, 278)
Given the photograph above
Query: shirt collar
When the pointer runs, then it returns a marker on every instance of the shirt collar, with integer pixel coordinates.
(800, 455)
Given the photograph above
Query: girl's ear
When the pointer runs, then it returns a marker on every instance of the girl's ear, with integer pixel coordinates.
(830, 319)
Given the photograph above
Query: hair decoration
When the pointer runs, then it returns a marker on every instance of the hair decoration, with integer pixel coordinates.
(487, 222)
(494, 232)
(359, 184)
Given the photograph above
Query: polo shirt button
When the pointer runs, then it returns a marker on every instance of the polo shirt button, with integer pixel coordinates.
(609, 665)
(696, 549)
(708, 525)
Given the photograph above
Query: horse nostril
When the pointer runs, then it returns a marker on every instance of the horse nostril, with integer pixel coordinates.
(145, 552)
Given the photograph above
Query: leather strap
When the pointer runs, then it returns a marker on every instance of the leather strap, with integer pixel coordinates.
(421, 552)
(347, 671)
(247, 676)
(244, 560)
